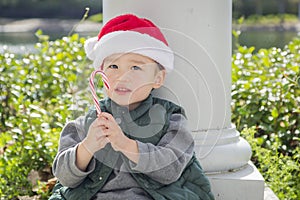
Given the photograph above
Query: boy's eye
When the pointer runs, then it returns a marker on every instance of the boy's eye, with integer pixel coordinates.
(136, 68)
(112, 67)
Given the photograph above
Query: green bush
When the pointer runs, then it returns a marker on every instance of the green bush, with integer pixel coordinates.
(266, 97)
(266, 93)
(281, 173)
(40, 91)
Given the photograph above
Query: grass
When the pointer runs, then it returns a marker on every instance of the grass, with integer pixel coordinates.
(267, 20)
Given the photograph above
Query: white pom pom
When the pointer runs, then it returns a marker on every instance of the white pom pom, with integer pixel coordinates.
(89, 47)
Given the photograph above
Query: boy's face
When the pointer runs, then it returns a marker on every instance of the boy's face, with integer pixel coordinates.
(131, 78)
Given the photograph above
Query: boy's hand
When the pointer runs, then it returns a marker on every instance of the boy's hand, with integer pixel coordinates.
(113, 132)
(95, 139)
(105, 130)
(117, 138)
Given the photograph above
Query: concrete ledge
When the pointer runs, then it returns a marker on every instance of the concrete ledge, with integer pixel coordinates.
(246, 183)
(269, 194)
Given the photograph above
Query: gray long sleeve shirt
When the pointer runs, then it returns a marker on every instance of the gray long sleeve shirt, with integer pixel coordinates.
(163, 162)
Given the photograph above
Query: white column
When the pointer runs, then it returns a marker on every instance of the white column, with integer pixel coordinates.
(199, 32)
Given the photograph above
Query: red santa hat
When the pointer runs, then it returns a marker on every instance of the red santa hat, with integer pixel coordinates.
(130, 34)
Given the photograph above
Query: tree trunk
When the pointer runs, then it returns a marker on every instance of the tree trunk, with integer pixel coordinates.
(281, 9)
(258, 7)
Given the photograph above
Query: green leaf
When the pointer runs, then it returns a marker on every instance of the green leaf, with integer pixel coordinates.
(274, 113)
(39, 32)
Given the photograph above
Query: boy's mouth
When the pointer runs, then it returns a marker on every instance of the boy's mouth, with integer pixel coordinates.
(122, 90)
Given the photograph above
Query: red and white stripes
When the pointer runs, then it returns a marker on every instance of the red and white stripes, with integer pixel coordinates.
(92, 87)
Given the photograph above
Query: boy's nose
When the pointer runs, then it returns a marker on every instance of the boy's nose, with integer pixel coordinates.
(123, 76)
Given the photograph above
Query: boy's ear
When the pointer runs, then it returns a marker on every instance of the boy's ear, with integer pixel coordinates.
(159, 79)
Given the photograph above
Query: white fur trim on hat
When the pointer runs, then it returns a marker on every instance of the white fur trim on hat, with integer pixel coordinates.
(89, 46)
(129, 42)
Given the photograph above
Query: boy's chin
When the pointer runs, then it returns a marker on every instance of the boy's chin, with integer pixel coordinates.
(130, 105)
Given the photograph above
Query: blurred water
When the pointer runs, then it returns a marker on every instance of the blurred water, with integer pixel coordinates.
(266, 39)
(21, 42)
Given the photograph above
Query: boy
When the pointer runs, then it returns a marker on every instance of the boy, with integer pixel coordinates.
(139, 146)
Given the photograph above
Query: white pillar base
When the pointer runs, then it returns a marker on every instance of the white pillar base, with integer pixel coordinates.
(246, 183)
(224, 156)
(221, 150)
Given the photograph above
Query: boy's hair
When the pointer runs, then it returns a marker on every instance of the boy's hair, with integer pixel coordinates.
(130, 34)
(160, 67)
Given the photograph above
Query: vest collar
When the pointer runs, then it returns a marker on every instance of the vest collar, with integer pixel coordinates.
(117, 110)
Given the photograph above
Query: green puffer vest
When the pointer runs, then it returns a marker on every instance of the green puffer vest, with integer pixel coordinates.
(151, 121)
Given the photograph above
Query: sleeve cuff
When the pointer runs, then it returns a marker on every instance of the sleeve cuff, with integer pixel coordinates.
(143, 159)
(73, 167)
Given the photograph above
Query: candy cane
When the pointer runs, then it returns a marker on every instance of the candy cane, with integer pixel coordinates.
(92, 87)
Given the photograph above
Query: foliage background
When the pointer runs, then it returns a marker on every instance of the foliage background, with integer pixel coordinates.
(264, 7)
(61, 9)
(47, 8)
(41, 91)
(266, 98)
